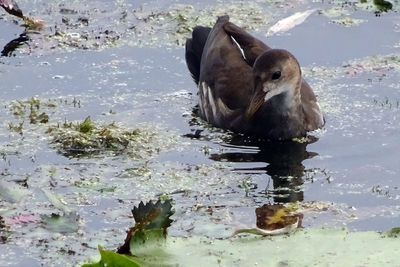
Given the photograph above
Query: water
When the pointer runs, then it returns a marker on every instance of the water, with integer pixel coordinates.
(351, 168)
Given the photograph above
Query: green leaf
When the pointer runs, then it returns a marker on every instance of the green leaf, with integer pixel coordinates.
(112, 259)
(152, 221)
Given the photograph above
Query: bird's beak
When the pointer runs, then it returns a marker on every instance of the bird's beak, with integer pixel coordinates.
(255, 103)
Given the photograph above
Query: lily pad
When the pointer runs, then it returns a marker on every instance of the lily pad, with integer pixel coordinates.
(109, 258)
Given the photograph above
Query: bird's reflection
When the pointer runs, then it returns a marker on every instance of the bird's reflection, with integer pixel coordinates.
(283, 163)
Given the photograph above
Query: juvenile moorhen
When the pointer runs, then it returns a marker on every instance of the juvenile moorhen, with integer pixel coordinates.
(247, 87)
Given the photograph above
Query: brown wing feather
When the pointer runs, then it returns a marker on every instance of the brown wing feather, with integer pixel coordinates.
(224, 70)
(251, 46)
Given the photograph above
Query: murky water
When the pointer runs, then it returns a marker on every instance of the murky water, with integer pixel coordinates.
(217, 179)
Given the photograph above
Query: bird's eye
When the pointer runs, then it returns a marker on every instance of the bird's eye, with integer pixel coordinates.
(276, 75)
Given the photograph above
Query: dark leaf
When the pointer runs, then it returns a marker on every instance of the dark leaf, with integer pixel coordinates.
(152, 221)
(272, 217)
(154, 216)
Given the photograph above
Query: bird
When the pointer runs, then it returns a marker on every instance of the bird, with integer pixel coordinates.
(247, 87)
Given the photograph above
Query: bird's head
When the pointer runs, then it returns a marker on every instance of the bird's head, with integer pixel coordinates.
(275, 72)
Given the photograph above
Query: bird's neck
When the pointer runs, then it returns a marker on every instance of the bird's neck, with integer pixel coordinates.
(287, 102)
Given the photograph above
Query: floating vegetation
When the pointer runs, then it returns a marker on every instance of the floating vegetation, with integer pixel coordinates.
(87, 138)
(32, 110)
(147, 244)
(334, 12)
(377, 63)
(348, 21)
(179, 21)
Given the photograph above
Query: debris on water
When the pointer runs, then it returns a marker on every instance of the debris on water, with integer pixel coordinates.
(376, 63)
(21, 219)
(348, 21)
(88, 137)
(289, 22)
(12, 192)
(334, 12)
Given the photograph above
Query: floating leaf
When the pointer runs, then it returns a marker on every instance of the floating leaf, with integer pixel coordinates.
(272, 217)
(274, 220)
(110, 259)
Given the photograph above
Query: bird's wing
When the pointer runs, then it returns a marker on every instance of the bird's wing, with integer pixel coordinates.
(312, 113)
(224, 70)
(251, 46)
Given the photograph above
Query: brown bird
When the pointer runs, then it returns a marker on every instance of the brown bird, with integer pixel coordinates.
(247, 87)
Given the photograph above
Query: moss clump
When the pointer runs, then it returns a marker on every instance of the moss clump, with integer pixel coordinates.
(87, 126)
(88, 138)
